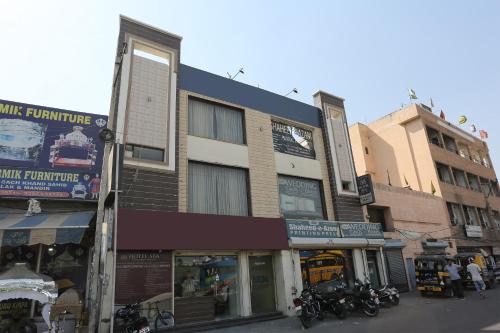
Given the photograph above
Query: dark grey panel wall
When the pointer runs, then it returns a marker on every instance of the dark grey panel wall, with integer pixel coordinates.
(145, 189)
(208, 84)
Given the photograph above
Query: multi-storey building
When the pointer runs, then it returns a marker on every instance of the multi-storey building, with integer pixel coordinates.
(435, 185)
(230, 196)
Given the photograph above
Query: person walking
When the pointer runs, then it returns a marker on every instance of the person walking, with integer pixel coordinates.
(475, 273)
(456, 280)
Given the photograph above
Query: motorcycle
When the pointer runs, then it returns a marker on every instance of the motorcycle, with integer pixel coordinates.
(132, 320)
(308, 307)
(329, 294)
(362, 298)
(387, 295)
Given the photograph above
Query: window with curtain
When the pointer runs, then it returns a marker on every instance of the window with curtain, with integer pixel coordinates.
(215, 122)
(217, 190)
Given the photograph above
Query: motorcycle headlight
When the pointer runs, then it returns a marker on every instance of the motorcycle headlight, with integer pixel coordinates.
(442, 283)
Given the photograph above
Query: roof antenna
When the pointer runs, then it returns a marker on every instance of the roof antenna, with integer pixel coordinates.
(231, 77)
(294, 90)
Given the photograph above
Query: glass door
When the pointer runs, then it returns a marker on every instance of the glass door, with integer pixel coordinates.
(373, 269)
(262, 284)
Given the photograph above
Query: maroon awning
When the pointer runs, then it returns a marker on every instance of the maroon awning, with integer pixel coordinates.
(156, 230)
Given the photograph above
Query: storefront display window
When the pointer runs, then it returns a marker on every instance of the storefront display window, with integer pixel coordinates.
(326, 265)
(300, 198)
(206, 288)
(373, 268)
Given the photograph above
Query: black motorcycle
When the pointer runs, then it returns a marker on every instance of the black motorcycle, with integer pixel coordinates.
(330, 296)
(362, 298)
(131, 320)
(308, 307)
(388, 295)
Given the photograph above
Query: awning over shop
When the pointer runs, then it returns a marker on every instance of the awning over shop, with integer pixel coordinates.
(394, 244)
(156, 230)
(51, 228)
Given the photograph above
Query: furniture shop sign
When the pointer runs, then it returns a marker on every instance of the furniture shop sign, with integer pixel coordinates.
(365, 189)
(312, 229)
(362, 230)
(292, 140)
(50, 153)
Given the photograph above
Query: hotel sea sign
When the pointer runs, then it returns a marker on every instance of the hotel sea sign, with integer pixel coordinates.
(50, 153)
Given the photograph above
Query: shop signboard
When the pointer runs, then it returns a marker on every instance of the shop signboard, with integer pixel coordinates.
(292, 140)
(141, 275)
(473, 231)
(300, 198)
(361, 230)
(365, 190)
(312, 229)
(50, 153)
(496, 251)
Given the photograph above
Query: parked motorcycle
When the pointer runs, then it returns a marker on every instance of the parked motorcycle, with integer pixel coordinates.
(308, 307)
(330, 295)
(132, 320)
(362, 298)
(388, 295)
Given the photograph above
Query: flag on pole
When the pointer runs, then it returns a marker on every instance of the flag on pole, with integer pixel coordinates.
(411, 94)
(442, 116)
(483, 134)
(473, 128)
(432, 103)
(462, 120)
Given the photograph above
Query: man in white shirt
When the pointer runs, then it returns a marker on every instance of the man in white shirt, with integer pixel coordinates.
(475, 272)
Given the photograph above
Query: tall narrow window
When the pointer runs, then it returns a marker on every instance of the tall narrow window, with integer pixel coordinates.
(463, 151)
(473, 182)
(449, 144)
(434, 137)
(444, 173)
(483, 218)
(485, 186)
(214, 121)
(470, 215)
(217, 190)
(460, 179)
(496, 218)
(455, 213)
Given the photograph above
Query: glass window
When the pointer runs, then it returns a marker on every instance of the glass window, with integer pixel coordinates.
(214, 121)
(463, 151)
(470, 215)
(444, 173)
(327, 265)
(449, 143)
(486, 161)
(144, 153)
(460, 179)
(473, 182)
(434, 137)
(206, 288)
(454, 213)
(496, 218)
(217, 190)
(485, 186)
(476, 157)
(483, 218)
(300, 198)
(293, 140)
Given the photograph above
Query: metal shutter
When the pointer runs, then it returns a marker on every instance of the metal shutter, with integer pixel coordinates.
(396, 269)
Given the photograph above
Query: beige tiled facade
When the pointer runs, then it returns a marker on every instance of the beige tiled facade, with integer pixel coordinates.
(263, 176)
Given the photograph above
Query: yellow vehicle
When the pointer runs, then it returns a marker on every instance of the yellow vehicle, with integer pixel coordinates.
(324, 266)
(487, 271)
(430, 275)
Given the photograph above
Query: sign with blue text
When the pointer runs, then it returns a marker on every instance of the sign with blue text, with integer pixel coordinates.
(361, 230)
(50, 153)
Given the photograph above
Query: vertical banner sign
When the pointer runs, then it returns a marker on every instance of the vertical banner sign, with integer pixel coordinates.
(50, 153)
(365, 189)
(293, 140)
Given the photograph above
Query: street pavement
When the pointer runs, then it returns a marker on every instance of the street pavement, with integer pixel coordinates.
(413, 314)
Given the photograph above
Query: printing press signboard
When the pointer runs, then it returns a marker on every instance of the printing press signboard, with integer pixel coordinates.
(50, 153)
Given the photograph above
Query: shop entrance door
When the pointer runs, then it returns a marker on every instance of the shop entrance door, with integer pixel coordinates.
(373, 269)
(262, 284)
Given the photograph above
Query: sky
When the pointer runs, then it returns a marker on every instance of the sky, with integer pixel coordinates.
(61, 53)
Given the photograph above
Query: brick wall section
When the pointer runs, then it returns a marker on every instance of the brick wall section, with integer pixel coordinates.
(319, 148)
(263, 177)
(182, 166)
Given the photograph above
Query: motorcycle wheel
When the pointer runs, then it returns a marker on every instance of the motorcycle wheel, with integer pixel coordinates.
(320, 316)
(370, 309)
(164, 319)
(305, 321)
(395, 300)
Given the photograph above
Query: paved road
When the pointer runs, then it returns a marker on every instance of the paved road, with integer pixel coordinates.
(413, 314)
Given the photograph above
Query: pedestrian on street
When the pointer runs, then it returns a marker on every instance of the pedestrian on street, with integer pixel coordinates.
(475, 273)
(456, 280)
